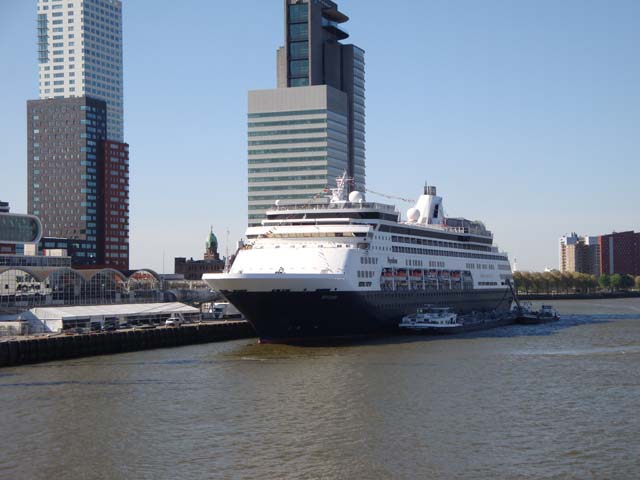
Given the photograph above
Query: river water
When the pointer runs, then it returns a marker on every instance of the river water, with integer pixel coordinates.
(559, 401)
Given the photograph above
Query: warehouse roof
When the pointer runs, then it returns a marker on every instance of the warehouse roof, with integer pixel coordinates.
(50, 313)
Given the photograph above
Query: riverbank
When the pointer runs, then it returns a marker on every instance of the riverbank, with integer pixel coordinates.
(577, 296)
(40, 349)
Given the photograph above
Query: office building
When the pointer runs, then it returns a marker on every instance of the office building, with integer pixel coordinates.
(620, 253)
(311, 129)
(4, 207)
(80, 54)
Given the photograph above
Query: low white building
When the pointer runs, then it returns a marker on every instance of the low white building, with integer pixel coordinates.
(96, 317)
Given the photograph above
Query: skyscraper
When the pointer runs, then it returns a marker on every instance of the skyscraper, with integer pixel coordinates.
(310, 129)
(80, 53)
(63, 156)
(78, 165)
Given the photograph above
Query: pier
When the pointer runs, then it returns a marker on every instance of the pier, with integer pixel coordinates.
(29, 350)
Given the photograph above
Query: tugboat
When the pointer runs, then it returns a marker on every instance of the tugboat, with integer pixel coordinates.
(526, 315)
(430, 319)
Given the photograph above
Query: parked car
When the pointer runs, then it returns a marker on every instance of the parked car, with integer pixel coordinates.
(175, 320)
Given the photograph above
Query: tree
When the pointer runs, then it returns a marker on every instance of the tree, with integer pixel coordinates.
(616, 281)
(638, 283)
(627, 282)
(518, 282)
(605, 281)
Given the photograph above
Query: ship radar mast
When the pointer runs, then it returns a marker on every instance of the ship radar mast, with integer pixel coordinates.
(339, 193)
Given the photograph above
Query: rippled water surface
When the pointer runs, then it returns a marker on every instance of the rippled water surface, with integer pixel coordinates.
(558, 401)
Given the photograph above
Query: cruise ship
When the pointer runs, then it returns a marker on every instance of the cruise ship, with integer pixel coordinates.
(344, 267)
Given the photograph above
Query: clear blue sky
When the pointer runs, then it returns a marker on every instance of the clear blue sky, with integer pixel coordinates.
(525, 114)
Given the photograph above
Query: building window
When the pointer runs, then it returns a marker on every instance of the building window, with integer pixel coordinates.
(299, 49)
(298, 13)
(299, 82)
(299, 68)
(298, 31)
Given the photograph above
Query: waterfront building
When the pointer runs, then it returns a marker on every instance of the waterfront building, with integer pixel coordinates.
(98, 317)
(620, 253)
(113, 206)
(31, 277)
(80, 54)
(78, 165)
(310, 129)
(194, 269)
(78, 181)
(580, 254)
(4, 207)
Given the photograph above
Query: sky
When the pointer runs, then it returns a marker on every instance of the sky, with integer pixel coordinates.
(526, 115)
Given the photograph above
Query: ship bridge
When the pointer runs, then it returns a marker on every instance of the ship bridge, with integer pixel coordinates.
(340, 212)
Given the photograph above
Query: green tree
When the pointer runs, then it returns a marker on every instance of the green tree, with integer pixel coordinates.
(616, 282)
(547, 282)
(518, 282)
(566, 280)
(627, 282)
(556, 277)
(605, 281)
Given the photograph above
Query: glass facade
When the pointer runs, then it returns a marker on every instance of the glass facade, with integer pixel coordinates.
(22, 288)
(19, 229)
(298, 45)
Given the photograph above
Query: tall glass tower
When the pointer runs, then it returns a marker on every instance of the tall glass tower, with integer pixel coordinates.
(80, 53)
(310, 129)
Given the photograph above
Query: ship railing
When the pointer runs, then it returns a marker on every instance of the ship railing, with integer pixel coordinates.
(334, 206)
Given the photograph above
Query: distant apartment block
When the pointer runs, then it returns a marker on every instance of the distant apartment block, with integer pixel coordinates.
(620, 253)
(580, 254)
(80, 54)
(605, 254)
(311, 129)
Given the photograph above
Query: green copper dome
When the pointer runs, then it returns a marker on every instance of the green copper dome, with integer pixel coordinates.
(212, 241)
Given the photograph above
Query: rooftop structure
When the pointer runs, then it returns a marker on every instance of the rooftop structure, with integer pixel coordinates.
(57, 319)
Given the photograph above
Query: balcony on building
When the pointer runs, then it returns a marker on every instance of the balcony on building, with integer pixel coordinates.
(335, 28)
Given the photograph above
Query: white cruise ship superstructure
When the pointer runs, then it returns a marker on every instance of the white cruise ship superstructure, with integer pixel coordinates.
(343, 267)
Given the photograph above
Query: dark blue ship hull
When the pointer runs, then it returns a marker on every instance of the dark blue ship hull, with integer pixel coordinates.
(290, 317)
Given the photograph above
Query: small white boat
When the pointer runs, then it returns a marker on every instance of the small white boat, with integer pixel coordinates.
(430, 319)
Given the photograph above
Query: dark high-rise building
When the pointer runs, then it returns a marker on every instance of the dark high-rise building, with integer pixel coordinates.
(311, 129)
(113, 210)
(313, 55)
(620, 253)
(64, 157)
(74, 176)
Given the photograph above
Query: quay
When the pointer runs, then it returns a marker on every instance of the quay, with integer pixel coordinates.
(39, 349)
